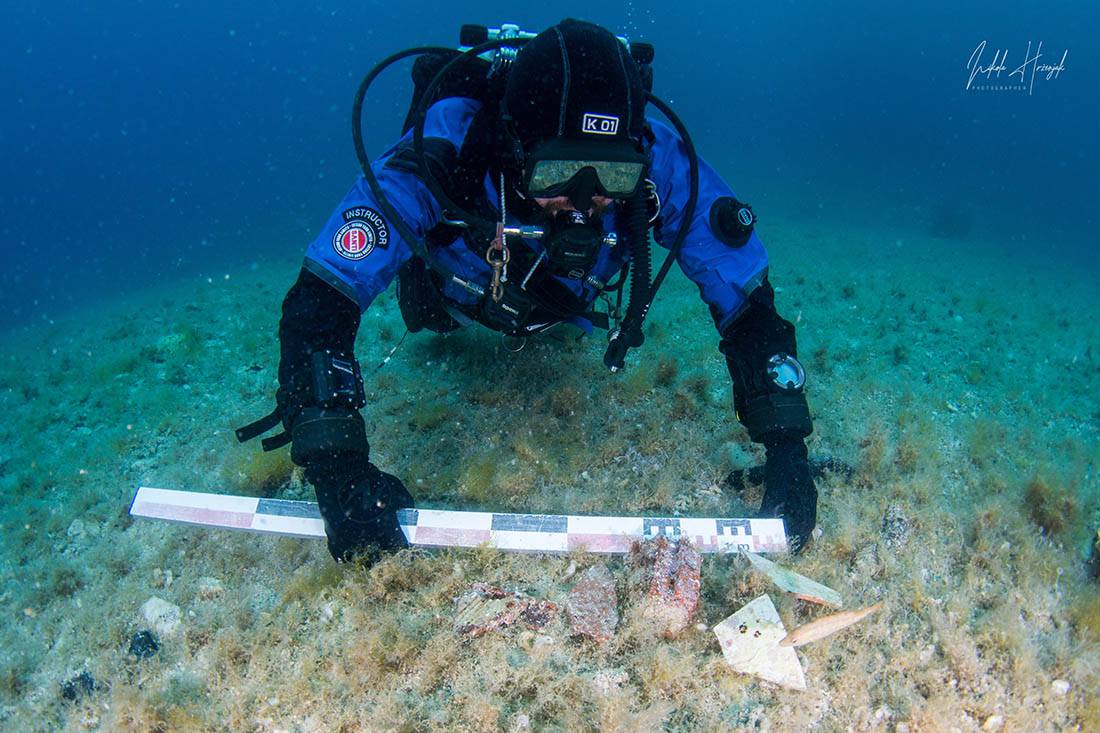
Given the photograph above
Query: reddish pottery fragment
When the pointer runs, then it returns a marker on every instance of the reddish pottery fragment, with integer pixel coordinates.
(667, 576)
(593, 605)
(486, 607)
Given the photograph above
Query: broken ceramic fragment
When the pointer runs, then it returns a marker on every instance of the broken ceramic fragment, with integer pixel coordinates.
(486, 607)
(790, 581)
(593, 605)
(750, 643)
(666, 576)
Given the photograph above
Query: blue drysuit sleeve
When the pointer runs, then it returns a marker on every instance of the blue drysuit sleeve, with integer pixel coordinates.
(358, 251)
(725, 275)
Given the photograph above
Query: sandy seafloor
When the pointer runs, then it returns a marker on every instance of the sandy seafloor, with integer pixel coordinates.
(961, 384)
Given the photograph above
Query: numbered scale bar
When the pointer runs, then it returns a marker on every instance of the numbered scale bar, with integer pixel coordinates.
(552, 533)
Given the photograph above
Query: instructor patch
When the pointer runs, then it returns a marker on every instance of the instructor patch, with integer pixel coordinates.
(363, 230)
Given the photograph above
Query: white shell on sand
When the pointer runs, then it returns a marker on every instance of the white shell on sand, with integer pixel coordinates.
(750, 644)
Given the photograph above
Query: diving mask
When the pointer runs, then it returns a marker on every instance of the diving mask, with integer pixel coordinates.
(560, 167)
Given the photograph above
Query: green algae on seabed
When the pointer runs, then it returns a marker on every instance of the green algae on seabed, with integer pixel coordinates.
(989, 602)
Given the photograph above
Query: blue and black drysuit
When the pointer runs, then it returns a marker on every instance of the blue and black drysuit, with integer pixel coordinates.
(358, 255)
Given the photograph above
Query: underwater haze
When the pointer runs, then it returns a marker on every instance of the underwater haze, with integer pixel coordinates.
(149, 142)
(930, 219)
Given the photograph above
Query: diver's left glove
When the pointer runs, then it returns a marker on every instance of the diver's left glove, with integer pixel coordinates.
(789, 490)
(359, 504)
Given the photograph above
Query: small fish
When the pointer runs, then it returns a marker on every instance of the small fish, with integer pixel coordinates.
(822, 627)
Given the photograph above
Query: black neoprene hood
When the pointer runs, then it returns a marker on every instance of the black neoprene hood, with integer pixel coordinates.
(576, 81)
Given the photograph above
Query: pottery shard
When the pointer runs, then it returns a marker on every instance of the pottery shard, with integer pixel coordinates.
(486, 607)
(593, 605)
(667, 576)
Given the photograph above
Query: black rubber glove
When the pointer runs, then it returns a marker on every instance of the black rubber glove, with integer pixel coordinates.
(789, 490)
(359, 504)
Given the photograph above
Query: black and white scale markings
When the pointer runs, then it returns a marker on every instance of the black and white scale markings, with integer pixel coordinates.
(550, 533)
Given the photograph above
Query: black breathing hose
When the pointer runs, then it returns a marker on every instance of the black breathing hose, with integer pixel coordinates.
(629, 334)
(388, 210)
(472, 220)
(642, 292)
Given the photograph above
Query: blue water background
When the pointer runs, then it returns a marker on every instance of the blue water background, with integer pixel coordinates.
(146, 142)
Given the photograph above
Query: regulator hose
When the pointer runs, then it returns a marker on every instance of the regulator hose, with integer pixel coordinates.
(623, 338)
(629, 335)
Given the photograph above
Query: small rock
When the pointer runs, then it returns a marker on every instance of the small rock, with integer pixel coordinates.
(607, 681)
(866, 562)
(144, 644)
(1060, 687)
(593, 605)
(163, 616)
(666, 575)
(993, 722)
(76, 530)
(158, 578)
(209, 588)
(77, 687)
(895, 526)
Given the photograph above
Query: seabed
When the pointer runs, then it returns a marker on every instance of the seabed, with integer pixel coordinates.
(960, 385)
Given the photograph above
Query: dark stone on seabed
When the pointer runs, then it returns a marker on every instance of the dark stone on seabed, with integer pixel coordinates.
(78, 686)
(144, 644)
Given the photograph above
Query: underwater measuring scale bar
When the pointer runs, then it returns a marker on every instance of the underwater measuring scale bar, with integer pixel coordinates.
(549, 533)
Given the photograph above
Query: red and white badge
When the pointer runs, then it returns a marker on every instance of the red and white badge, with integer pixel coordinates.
(365, 229)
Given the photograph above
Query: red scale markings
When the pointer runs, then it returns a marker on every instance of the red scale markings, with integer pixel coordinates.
(196, 515)
(446, 537)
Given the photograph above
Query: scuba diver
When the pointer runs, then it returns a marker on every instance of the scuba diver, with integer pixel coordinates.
(524, 190)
